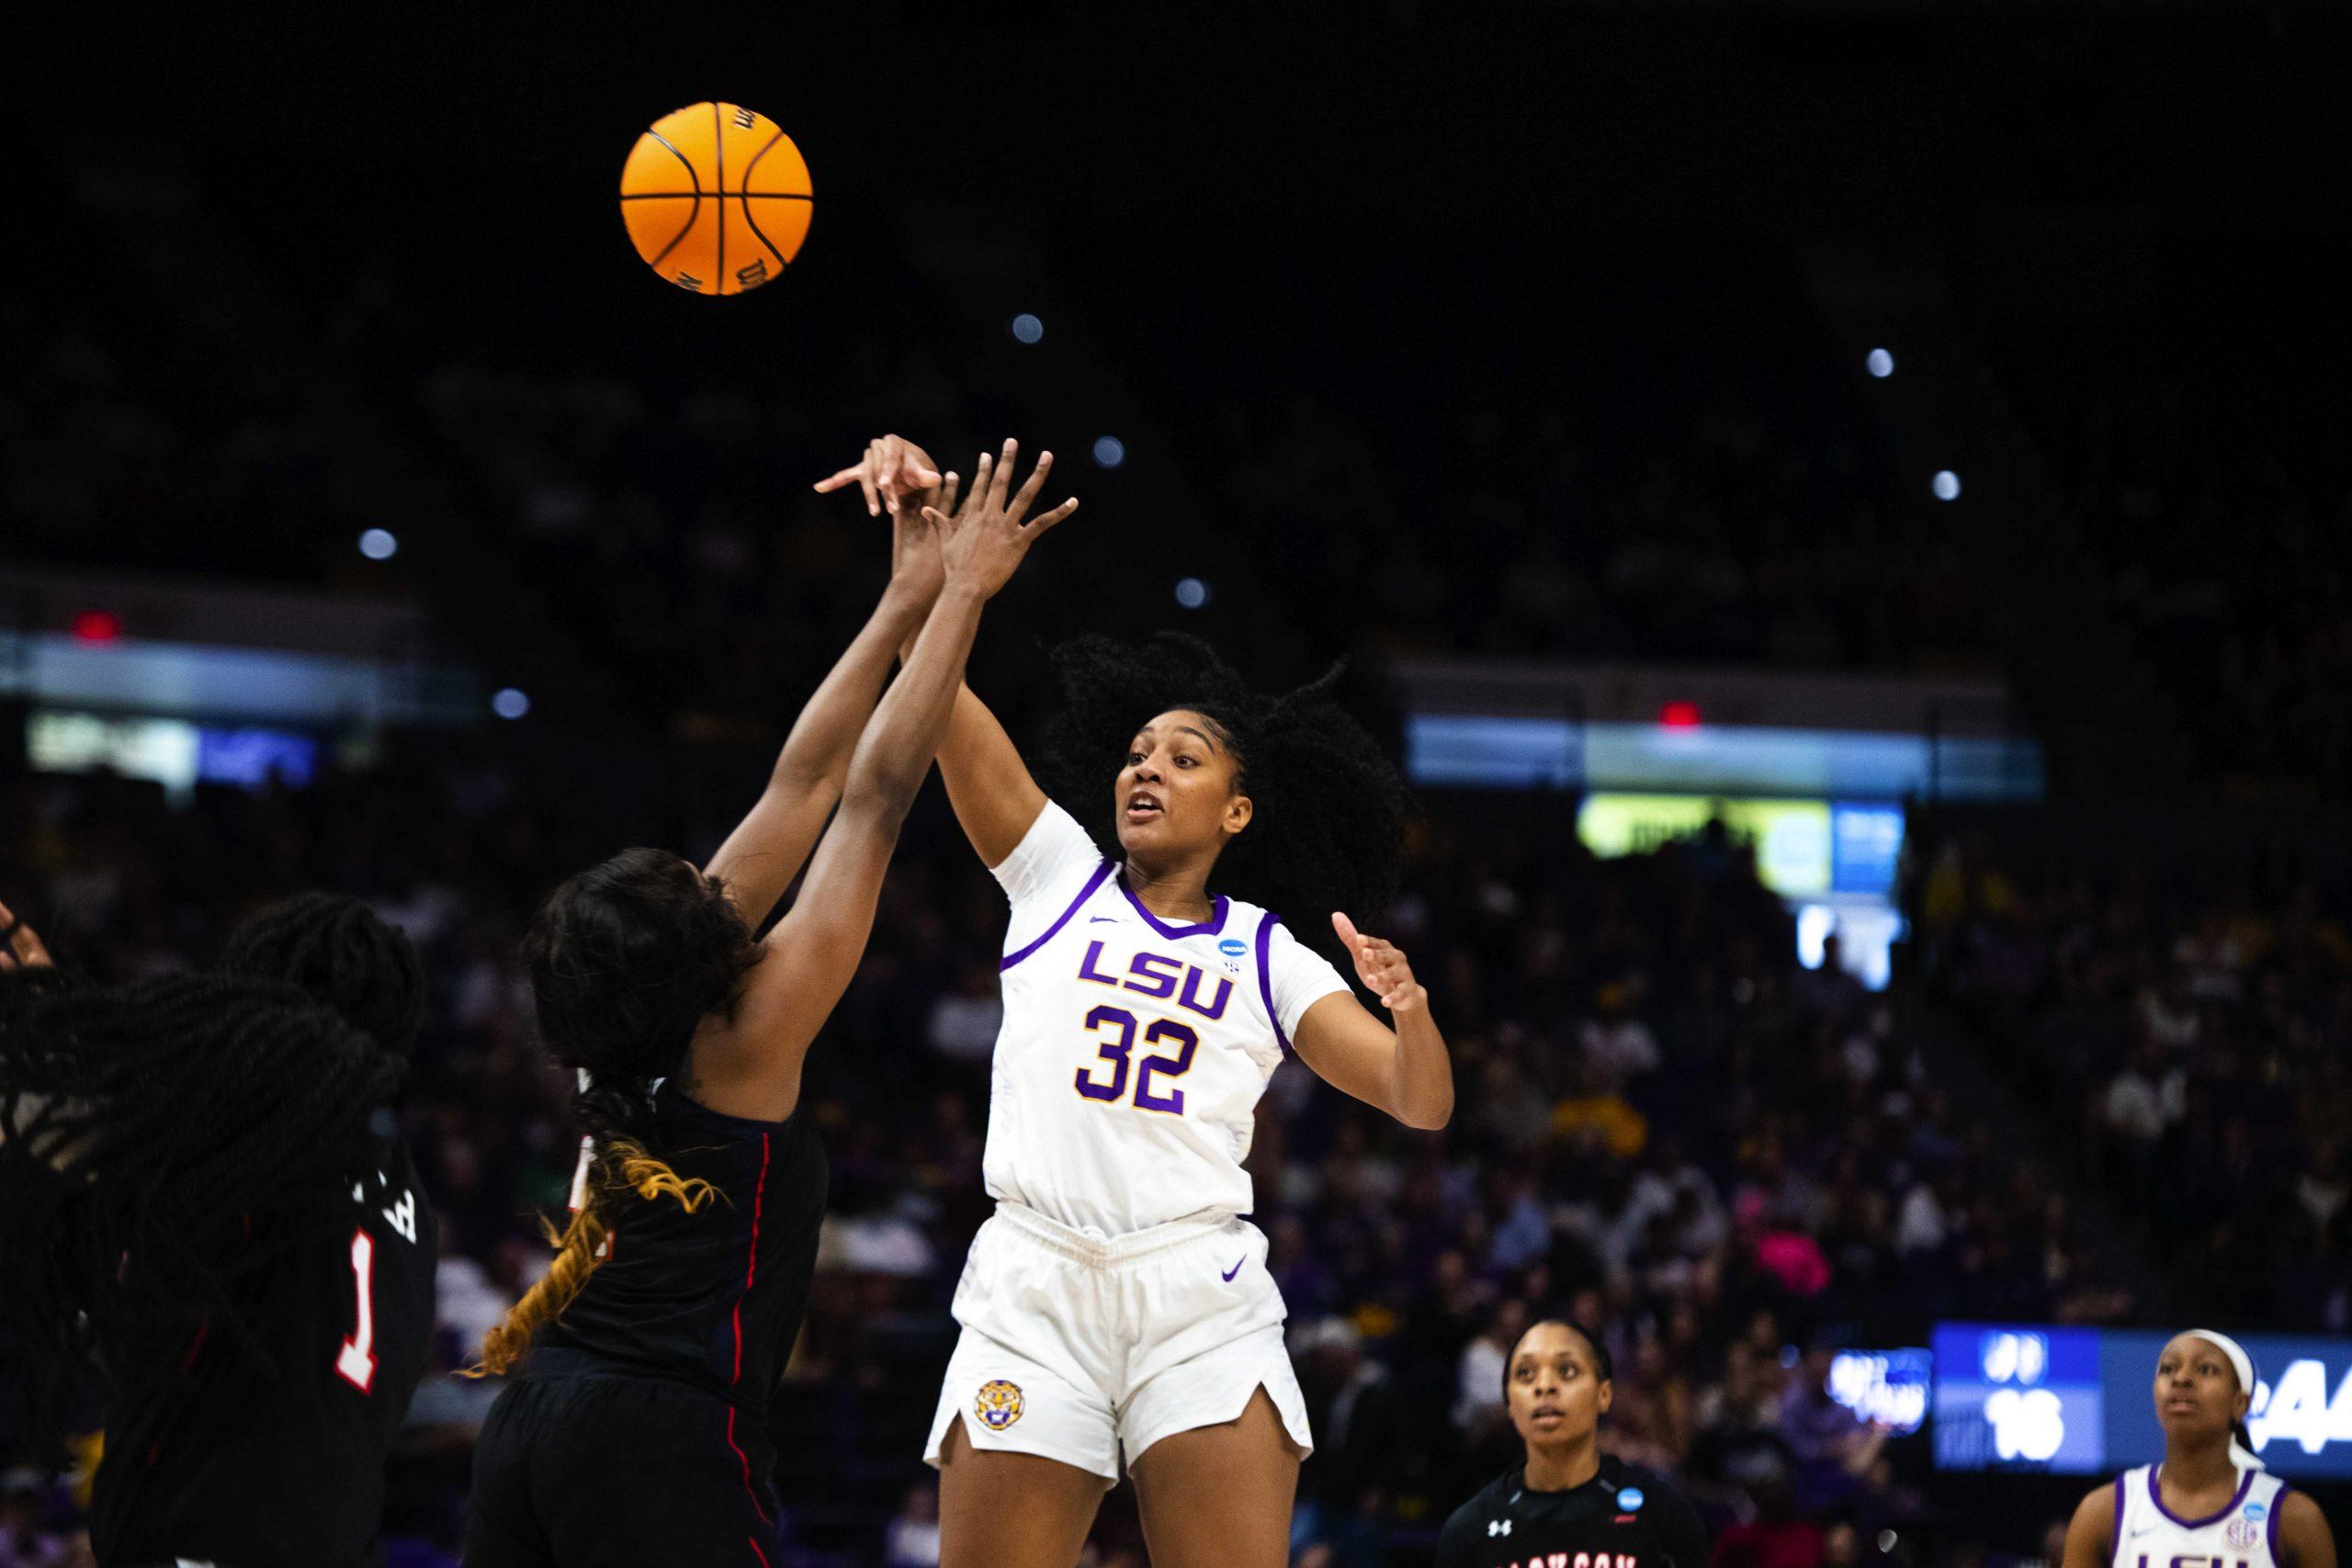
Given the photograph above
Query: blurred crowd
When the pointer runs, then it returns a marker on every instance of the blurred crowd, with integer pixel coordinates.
(1727, 1164)
(2218, 500)
(2188, 1031)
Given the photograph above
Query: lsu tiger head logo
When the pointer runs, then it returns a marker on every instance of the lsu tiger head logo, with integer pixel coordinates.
(998, 1405)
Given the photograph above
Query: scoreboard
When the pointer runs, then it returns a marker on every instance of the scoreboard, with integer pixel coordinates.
(2081, 1401)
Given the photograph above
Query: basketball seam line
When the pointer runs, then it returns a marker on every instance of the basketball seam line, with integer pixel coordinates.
(782, 260)
(693, 213)
(719, 157)
(738, 194)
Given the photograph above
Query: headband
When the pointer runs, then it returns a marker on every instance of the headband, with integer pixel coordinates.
(2242, 1364)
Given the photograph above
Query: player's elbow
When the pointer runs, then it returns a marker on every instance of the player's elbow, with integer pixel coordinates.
(882, 789)
(1426, 1113)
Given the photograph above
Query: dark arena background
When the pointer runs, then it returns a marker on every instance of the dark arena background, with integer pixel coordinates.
(1837, 509)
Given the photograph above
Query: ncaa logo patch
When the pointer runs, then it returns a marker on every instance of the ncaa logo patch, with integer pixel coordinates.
(1233, 947)
(999, 1404)
(1630, 1498)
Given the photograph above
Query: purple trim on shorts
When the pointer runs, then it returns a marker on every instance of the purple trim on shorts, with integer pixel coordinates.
(2270, 1530)
(1084, 893)
(2115, 1531)
(1266, 979)
(2157, 1493)
(1210, 927)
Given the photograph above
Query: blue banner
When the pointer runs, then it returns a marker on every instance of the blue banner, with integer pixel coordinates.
(2082, 1401)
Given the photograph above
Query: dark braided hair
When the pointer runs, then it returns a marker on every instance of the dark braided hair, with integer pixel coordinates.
(1328, 829)
(163, 1146)
(627, 959)
(339, 952)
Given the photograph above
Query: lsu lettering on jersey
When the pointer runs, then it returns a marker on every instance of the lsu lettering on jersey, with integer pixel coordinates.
(2242, 1535)
(1133, 1052)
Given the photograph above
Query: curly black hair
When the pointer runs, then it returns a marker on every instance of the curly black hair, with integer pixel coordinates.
(339, 952)
(626, 959)
(1328, 829)
(164, 1148)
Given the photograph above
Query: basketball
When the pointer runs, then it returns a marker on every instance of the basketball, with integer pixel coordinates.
(716, 199)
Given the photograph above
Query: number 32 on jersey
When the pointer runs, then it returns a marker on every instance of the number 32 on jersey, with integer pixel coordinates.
(1115, 1029)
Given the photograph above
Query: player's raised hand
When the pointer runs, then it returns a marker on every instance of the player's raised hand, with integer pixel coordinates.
(917, 569)
(987, 538)
(1381, 965)
(20, 945)
(893, 473)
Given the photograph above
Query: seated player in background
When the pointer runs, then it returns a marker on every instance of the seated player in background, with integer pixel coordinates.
(1117, 1309)
(207, 1208)
(1567, 1496)
(2210, 1499)
(636, 1431)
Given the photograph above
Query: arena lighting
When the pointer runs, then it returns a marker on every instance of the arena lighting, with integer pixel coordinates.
(508, 703)
(378, 543)
(1110, 451)
(1880, 363)
(1680, 716)
(97, 625)
(1192, 592)
(1946, 485)
(1027, 328)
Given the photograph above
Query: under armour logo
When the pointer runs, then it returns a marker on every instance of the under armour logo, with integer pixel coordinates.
(1498, 1527)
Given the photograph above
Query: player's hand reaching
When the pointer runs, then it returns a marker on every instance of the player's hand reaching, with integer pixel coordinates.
(896, 474)
(20, 945)
(917, 569)
(987, 538)
(1381, 965)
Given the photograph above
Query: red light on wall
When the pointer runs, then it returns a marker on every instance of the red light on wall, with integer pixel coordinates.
(1680, 716)
(97, 625)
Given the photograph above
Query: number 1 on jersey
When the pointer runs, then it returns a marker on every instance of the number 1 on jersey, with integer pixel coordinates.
(357, 1361)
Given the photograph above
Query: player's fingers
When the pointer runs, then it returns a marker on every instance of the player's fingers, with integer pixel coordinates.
(948, 484)
(1348, 932)
(978, 495)
(834, 481)
(1044, 521)
(1027, 493)
(1004, 480)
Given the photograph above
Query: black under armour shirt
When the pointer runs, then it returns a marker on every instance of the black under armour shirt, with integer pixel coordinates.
(1625, 1517)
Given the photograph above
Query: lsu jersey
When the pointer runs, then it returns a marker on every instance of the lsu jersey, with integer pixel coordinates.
(2242, 1535)
(1134, 1050)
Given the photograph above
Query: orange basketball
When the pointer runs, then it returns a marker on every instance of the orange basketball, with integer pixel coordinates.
(716, 199)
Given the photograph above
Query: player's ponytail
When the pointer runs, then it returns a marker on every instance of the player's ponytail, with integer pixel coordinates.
(165, 1146)
(1328, 831)
(617, 1163)
(626, 960)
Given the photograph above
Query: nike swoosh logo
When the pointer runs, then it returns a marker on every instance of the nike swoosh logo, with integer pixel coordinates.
(1238, 1262)
(1102, 920)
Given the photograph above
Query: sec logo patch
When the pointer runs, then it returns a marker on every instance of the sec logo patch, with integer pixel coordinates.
(998, 1405)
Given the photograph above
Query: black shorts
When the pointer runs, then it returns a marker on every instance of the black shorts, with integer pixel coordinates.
(591, 1472)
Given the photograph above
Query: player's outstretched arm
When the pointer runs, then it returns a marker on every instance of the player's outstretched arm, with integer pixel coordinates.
(2089, 1534)
(752, 1068)
(1403, 1070)
(768, 848)
(995, 800)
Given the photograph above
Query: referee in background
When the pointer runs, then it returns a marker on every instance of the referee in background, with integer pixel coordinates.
(1568, 1497)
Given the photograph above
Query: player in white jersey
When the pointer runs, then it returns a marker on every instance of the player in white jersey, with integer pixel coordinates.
(1118, 1307)
(2210, 1504)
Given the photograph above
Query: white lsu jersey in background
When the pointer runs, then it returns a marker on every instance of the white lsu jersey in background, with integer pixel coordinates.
(1134, 1051)
(2243, 1535)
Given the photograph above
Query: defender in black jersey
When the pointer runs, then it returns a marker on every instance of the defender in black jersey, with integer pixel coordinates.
(238, 1249)
(636, 1431)
(1569, 1505)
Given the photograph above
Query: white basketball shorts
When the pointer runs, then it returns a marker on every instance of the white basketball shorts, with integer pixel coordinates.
(1089, 1351)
